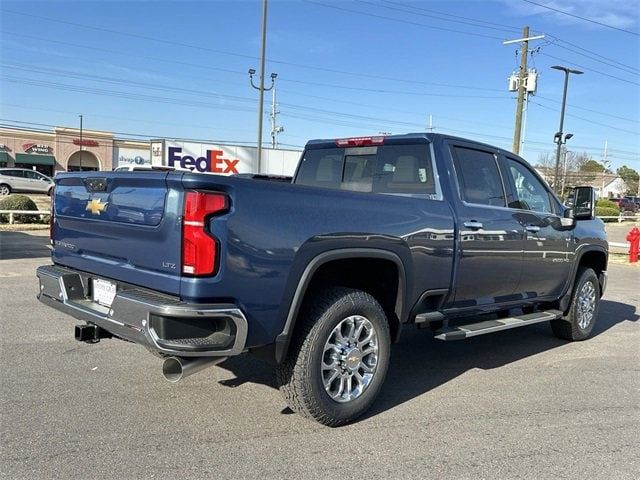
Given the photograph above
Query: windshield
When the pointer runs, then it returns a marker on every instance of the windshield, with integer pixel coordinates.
(391, 169)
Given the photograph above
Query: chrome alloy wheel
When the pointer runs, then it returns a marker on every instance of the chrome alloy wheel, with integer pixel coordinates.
(586, 305)
(349, 358)
(4, 190)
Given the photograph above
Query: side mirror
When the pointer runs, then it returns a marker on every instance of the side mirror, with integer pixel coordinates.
(585, 203)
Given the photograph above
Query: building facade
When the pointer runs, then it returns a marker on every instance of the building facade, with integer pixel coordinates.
(67, 149)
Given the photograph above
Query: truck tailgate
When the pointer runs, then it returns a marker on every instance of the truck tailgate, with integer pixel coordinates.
(122, 225)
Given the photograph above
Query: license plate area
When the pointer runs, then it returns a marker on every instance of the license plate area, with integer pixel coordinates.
(103, 291)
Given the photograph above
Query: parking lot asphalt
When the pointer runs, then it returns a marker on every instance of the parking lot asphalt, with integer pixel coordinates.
(517, 404)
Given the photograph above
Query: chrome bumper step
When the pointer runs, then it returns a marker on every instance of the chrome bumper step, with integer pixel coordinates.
(490, 326)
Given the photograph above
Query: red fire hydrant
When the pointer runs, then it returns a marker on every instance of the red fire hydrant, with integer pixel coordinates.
(634, 241)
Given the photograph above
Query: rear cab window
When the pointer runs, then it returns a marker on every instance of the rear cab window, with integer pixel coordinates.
(395, 169)
(478, 176)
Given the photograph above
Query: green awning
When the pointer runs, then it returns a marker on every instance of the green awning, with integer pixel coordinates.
(4, 158)
(32, 159)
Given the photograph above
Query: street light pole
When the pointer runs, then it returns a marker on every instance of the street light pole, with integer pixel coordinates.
(558, 138)
(80, 142)
(263, 48)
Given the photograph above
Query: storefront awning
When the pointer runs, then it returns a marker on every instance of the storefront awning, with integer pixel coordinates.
(4, 158)
(32, 159)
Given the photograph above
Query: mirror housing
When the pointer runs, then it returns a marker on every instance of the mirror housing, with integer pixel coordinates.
(584, 207)
(567, 221)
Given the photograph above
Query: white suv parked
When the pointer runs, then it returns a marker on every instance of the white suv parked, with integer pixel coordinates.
(23, 180)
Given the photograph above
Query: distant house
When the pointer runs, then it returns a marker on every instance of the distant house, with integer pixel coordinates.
(609, 186)
(606, 185)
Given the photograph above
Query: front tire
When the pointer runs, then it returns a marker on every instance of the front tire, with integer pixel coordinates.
(338, 358)
(585, 302)
(5, 190)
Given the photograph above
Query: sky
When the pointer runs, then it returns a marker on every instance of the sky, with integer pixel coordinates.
(178, 69)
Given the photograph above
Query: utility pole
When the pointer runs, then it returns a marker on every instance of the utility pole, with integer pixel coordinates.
(80, 142)
(521, 90)
(522, 85)
(430, 127)
(261, 88)
(275, 128)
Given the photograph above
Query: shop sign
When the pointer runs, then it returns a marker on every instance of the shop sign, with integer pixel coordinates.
(36, 148)
(212, 162)
(227, 159)
(85, 143)
(131, 156)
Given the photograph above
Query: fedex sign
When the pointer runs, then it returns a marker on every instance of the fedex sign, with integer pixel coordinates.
(213, 161)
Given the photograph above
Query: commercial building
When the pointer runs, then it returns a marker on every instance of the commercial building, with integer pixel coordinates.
(66, 149)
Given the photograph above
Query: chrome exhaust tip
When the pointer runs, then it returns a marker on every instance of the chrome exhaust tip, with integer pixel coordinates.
(175, 369)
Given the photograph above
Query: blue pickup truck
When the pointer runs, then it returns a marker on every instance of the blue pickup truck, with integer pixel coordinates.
(320, 274)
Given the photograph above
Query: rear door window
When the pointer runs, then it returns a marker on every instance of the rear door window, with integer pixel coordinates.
(478, 177)
(392, 169)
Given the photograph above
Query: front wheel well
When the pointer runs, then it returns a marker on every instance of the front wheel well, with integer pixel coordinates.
(377, 276)
(595, 260)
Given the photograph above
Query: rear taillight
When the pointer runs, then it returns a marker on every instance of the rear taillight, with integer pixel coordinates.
(359, 141)
(199, 247)
(52, 214)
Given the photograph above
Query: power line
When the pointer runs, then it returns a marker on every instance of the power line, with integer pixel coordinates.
(616, 128)
(156, 99)
(127, 134)
(114, 117)
(183, 102)
(593, 53)
(407, 22)
(120, 94)
(509, 27)
(118, 81)
(224, 52)
(590, 69)
(244, 73)
(470, 22)
(563, 12)
(590, 110)
(598, 58)
(101, 78)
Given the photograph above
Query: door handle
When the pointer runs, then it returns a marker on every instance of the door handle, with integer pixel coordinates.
(473, 225)
(532, 228)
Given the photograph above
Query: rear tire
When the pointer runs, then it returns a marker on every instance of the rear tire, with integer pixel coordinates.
(338, 358)
(5, 190)
(585, 302)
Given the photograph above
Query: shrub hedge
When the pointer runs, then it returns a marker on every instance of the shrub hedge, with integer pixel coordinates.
(18, 202)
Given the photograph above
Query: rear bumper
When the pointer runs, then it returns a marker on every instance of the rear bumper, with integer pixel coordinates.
(160, 322)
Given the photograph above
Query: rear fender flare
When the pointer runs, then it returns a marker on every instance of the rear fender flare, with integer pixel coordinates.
(284, 338)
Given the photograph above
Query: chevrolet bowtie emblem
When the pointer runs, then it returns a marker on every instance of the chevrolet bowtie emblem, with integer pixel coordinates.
(96, 206)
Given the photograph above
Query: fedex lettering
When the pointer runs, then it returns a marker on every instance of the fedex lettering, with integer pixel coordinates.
(213, 162)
